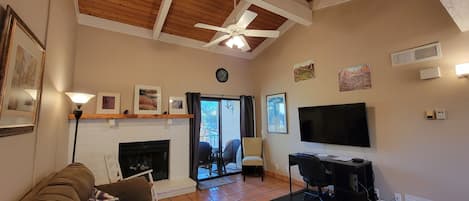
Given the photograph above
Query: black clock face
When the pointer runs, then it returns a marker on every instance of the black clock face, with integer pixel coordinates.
(222, 75)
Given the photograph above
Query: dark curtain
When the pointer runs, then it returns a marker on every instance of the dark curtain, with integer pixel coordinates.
(193, 107)
(247, 116)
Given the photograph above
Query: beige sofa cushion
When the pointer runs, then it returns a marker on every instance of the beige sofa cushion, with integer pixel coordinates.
(78, 177)
(33, 192)
(58, 193)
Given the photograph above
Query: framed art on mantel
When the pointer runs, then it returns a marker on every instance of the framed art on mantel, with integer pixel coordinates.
(21, 74)
(277, 113)
(177, 105)
(108, 103)
(147, 99)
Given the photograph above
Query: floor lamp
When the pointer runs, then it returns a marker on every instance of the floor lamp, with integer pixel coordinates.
(78, 99)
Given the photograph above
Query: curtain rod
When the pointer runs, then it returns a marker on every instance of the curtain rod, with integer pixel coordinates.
(220, 96)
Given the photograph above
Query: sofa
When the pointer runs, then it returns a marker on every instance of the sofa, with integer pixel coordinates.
(76, 183)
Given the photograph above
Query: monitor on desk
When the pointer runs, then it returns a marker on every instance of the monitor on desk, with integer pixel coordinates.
(335, 124)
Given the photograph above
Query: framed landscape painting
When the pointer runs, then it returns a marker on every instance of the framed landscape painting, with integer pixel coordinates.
(355, 78)
(21, 74)
(147, 99)
(277, 113)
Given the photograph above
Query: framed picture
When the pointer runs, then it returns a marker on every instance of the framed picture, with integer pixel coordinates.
(355, 78)
(108, 103)
(303, 71)
(21, 74)
(147, 99)
(177, 105)
(277, 113)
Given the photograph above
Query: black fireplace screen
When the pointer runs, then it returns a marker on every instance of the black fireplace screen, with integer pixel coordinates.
(136, 157)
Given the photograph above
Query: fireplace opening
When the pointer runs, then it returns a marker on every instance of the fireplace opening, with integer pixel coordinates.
(136, 157)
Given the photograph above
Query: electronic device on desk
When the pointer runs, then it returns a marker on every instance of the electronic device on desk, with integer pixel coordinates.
(335, 124)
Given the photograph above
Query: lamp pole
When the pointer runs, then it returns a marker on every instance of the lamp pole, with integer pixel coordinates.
(78, 112)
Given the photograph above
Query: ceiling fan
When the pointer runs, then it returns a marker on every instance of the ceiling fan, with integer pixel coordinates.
(237, 32)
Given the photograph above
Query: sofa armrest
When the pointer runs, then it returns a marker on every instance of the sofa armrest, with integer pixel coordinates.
(135, 189)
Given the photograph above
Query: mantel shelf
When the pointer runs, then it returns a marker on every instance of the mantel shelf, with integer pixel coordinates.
(132, 116)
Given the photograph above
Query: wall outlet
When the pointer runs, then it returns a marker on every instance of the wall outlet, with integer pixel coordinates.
(277, 167)
(397, 197)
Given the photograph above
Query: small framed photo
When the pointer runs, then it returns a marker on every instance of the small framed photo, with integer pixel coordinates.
(147, 99)
(177, 105)
(108, 103)
(277, 113)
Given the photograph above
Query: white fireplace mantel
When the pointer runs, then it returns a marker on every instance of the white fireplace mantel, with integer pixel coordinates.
(96, 138)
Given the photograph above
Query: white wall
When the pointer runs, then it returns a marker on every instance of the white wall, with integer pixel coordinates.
(410, 154)
(28, 158)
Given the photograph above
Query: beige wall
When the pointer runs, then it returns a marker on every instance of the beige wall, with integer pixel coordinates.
(113, 62)
(27, 158)
(411, 155)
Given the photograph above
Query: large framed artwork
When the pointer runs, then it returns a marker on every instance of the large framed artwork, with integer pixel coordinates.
(277, 113)
(147, 99)
(21, 74)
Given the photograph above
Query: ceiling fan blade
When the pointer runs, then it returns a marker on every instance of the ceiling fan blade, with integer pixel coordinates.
(211, 27)
(218, 40)
(246, 18)
(246, 46)
(262, 33)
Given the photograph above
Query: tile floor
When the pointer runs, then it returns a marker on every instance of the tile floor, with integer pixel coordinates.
(251, 190)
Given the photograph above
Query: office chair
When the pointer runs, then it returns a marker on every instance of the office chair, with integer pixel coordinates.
(315, 174)
(205, 156)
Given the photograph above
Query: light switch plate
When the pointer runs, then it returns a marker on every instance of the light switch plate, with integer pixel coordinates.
(440, 114)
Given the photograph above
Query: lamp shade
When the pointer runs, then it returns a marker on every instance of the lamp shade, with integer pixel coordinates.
(462, 70)
(79, 98)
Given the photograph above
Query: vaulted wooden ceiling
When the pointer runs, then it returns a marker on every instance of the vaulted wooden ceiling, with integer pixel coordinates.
(180, 16)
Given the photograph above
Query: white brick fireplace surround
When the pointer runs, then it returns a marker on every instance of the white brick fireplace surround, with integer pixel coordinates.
(96, 138)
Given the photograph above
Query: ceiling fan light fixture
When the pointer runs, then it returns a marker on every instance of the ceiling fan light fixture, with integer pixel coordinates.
(235, 41)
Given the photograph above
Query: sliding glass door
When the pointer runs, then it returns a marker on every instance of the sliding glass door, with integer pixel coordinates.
(220, 132)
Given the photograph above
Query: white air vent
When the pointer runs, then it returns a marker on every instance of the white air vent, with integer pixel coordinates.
(419, 54)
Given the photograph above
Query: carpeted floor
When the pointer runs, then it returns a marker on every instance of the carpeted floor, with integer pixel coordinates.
(215, 182)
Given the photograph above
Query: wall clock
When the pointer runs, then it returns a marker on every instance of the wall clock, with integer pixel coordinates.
(222, 75)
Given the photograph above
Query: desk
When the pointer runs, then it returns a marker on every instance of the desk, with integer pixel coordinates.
(349, 178)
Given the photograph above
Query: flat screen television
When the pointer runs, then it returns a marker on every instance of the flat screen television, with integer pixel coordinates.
(335, 124)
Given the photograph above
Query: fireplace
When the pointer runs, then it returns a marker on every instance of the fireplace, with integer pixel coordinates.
(136, 157)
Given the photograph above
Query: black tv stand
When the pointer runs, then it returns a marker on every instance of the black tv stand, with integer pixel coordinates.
(352, 181)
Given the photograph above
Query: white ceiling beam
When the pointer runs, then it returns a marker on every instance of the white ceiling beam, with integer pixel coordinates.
(320, 4)
(187, 42)
(291, 10)
(77, 8)
(234, 16)
(458, 10)
(161, 17)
